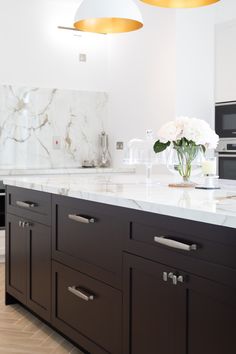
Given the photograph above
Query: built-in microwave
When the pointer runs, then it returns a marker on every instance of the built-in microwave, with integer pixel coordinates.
(226, 153)
(225, 119)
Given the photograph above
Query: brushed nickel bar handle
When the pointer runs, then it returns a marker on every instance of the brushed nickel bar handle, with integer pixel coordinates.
(81, 219)
(81, 294)
(25, 224)
(175, 244)
(25, 204)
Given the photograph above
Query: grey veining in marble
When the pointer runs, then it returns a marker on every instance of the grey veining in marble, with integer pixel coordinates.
(130, 191)
(31, 117)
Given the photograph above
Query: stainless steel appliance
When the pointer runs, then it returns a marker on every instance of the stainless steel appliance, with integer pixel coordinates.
(225, 119)
(226, 153)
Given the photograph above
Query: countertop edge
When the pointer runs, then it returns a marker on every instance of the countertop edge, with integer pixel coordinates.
(221, 219)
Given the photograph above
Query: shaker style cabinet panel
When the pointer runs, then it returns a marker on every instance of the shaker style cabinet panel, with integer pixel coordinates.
(30, 204)
(174, 312)
(88, 236)
(28, 261)
(211, 317)
(84, 308)
(16, 258)
(202, 249)
(123, 281)
(154, 310)
(39, 270)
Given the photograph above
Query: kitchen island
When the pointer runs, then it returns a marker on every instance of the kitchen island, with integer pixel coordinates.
(124, 267)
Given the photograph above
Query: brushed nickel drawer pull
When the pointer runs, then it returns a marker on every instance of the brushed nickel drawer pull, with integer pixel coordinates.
(81, 219)
(175, 244)
(165, 276)
(27, 224)
(173, 277)
(22, 224)
(81, 294)
(25, 204)
(180, 279)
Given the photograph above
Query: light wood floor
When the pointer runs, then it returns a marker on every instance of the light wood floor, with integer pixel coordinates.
(22, 333)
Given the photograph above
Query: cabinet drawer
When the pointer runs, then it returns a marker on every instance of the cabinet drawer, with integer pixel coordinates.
(88, 237)
(30, 204)
(179, 242)
(86, 310)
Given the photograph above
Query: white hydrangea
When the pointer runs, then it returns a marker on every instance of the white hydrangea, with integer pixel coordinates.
(193, 129)
(169, 132)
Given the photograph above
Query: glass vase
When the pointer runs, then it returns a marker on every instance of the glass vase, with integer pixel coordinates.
(185, 163)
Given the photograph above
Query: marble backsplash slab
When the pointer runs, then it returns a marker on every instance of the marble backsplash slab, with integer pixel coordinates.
(31, 117)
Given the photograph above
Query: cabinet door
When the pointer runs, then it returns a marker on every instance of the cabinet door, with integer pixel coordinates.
(39, 269)
(154, 310)
(16, 258)
(195, 316)
(211, 317)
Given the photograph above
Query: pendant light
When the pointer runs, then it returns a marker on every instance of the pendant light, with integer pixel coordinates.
(108, 16)
(180, 3)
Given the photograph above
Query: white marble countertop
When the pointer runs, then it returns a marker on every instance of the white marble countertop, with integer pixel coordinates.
(61, 171)
(130, 190)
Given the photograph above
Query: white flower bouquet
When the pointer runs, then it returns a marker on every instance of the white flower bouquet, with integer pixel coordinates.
(188, 136)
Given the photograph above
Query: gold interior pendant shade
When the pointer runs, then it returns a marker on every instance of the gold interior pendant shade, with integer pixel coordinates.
(180, 3)
(108, 25)
(108, 16)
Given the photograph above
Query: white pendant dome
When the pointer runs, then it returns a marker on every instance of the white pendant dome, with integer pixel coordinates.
(108, 16)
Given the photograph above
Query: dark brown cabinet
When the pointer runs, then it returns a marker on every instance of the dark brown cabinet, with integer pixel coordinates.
(87, 308)
(88, 237)
(16, 258)
(29, 204)
(28, 256)
(39, 270)
(182, 315)
(123, 281)
(211, 317)
(154, 310)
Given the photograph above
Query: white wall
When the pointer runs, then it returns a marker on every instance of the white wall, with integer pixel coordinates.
(225, 11)
(199, 85)
(195, 63)
(142, 77)
(225, 54)
(35, 53)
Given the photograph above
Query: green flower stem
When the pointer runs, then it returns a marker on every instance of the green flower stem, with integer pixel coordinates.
(186, 152)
